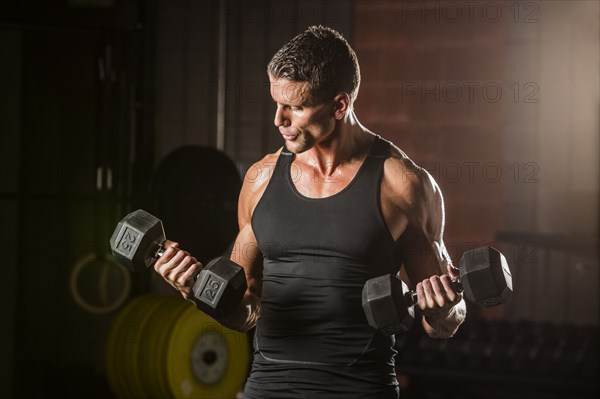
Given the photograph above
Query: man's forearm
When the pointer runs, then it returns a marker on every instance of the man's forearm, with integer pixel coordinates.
(445, 323)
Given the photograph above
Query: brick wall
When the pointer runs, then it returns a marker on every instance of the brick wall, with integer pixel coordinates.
(432, 82)
(499, 101)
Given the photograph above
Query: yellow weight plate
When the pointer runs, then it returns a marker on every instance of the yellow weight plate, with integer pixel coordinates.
(204, 359)
(141, 322)
(152, 343)
(116, 337)
(162, 363)
(135, 319)
(113, 359)
(145, 354)
(123, 341)
(110, 354)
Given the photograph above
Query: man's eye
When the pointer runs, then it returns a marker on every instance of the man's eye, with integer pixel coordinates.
(296, 108)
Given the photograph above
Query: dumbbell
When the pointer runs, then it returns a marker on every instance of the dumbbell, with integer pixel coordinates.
(485, 279)
(137, 243)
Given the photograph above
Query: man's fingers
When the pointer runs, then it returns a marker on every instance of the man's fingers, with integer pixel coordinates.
(188, 278)
(436, 292)
(187, 271)
(168, 263)
(450, 291)
(168, 260)
(169, 243)
(181, 263)
(439, 293)
(162, 262)
(425, 295)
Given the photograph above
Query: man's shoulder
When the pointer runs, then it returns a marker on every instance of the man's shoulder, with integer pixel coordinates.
(400, 168)
(406, 181)
(254, 185)
(260, 172)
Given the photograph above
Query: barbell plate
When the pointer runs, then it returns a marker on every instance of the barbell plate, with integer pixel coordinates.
(119, 335)
(141, 322)
(110, 353)
(113, 351)
(151, 363)
(137, 322)
(195, 351)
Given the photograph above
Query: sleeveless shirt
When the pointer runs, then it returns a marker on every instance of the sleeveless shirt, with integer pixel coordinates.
(313, 336)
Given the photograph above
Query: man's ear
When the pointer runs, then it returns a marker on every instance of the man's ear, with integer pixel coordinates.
(341, 104)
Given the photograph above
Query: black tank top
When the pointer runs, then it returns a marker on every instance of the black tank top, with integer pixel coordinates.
(318, 254)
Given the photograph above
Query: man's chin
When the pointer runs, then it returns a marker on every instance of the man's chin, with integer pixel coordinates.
(296, 148)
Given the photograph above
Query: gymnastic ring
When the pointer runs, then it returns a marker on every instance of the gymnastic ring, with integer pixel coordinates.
(91, 308)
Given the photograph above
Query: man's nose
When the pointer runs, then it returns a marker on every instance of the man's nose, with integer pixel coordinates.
(280, 118)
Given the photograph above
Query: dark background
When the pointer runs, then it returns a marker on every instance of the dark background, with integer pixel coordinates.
(498, 100)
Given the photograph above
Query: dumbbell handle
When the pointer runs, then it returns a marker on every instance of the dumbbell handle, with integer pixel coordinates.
(412, 296)
(160, 250)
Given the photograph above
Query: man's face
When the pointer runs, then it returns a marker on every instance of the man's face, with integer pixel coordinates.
(302, 119)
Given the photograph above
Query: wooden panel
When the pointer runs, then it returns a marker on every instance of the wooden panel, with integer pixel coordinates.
(61, 126)
(186, 64)
(8, 295)
(10, 104)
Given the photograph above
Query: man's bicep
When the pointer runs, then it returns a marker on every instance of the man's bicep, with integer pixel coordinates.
(420, 256)
(247, 254)
(423, 249)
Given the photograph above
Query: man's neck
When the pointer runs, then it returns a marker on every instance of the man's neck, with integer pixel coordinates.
(349, 142)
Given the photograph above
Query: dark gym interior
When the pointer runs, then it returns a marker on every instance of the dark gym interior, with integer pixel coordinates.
(107, 105)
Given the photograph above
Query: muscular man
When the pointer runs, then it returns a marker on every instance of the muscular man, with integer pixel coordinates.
(336, 206)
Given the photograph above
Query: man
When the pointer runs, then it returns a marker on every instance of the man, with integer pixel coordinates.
(336, 206)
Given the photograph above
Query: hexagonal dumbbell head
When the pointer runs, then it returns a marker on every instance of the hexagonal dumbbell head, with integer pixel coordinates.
(219, 287)
(387, 305)
(137, 239)
(485, 276)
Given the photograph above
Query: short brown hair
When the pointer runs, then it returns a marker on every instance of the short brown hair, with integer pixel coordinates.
(323, 58)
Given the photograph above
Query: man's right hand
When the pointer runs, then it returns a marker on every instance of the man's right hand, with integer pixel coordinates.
(178, 268)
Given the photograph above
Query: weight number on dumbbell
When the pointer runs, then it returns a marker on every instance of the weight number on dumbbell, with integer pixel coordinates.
(212, 289)
(129, 240)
